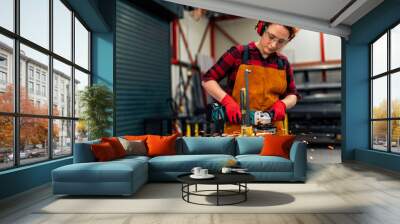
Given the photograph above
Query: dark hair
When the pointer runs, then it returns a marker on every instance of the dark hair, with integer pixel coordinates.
(262, 26)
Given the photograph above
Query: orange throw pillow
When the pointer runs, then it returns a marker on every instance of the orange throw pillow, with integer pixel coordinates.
(103, 152)
(161, 145)
(135, 137)
(116, 145)
(277, 145)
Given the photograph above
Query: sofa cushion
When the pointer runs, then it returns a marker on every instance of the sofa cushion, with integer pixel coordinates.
(116, 145)
(206, 145)
(161, 145)
(249, 145)
(257, 163)
(136, 137)
(277, 145)
(132, 158)
(134, 147)
(103, 152)
(185, 163)
(112, 171)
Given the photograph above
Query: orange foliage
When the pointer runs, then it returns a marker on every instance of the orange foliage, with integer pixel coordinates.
(33, 130)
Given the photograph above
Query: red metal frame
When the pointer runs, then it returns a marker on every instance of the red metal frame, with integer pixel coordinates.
(212, 38)
(203, 38)
(226, 34)
(176, 26)
(312, 63)
(174, 59)
(186, 44)
(226, 17)
(322, 47)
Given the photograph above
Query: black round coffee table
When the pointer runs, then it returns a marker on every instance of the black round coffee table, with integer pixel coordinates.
(238, 179)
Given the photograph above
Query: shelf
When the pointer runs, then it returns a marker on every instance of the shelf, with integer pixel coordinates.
(322, 109)
(319, 67)
(319, 86)
(321, 97)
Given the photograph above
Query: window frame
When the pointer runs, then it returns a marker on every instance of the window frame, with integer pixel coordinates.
(388, 74)
(16, 114)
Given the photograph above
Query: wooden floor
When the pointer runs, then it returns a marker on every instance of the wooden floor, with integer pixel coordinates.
(377, 189)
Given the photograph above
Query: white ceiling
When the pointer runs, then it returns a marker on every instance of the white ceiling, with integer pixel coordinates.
(324, 16)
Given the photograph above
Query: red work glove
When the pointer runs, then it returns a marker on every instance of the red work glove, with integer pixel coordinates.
(279, 109)
(232, 109)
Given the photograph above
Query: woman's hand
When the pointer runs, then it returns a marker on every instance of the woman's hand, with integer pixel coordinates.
(232, 109)
(279, 109)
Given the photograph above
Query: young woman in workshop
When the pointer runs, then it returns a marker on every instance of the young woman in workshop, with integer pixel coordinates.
(270, 76)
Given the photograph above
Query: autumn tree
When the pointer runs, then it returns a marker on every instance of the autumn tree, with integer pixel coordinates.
(33, 131)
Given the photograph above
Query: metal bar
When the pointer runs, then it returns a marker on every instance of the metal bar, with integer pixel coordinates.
(370, 97)
(174, 41)
(73, 80)
(322, 49)
(226, 17)
(50, 81)
(212, 38)
(186, 44)
(38, 116)
(246, 190)
(217, 194)
(16, 83)
(389, 106)
(316, 63)
(41, 49)
(203, 38)
(229, 37)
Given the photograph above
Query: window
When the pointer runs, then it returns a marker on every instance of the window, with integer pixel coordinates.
(385, 97)
(7, 14)
(35, 22)
(36, 114)
(81, 45)
(62, 29)
(44, 77)
(30, 72)
(30, 87)
(81, 81)
(33, 149)
(43, 90)
(62, 140)
(38, 89)
(7, 142)
(37, 75)
(6, 72)
(3, 61)
(62, 74)
(3, 78)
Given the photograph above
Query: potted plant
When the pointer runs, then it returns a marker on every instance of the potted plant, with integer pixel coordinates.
(96, 102)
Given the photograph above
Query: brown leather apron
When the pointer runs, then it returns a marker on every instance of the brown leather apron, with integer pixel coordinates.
(265, 86)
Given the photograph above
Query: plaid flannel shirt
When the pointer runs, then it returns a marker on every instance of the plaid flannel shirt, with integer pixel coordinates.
(229, 63)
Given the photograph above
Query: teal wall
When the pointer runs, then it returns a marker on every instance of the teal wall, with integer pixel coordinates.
(24, 178)
(355, 86)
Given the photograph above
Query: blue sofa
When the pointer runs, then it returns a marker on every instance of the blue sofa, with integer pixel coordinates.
(125, 176)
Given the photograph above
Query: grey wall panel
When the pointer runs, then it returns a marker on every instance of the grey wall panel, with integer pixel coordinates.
(142, 79)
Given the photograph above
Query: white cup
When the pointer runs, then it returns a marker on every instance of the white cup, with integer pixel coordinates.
(196, 171)
(203, 172)
(226, 170)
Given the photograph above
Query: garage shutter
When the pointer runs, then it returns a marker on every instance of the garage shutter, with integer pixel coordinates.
(142, 76)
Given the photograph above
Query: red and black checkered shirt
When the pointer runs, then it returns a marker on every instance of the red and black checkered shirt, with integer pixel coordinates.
(229, 63)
